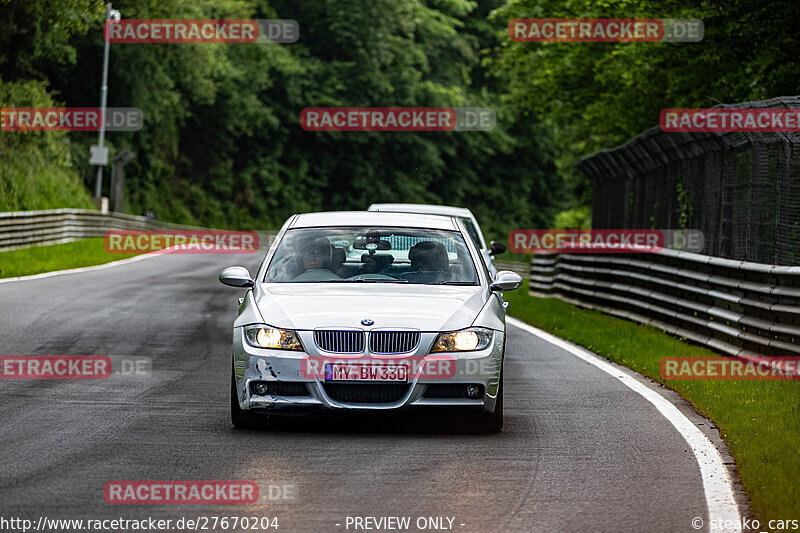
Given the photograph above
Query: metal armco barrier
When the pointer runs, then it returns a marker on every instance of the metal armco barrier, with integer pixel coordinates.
(21, 229)
(515, 266)
(740, 308)
(742, 190)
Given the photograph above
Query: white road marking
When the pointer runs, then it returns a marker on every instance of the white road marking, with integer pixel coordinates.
(81, 269)
(716, 481)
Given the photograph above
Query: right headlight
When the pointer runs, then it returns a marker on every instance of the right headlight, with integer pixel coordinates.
(262, 336)
(465, 340)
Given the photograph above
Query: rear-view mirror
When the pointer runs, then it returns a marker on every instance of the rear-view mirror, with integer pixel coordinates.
(368, 243)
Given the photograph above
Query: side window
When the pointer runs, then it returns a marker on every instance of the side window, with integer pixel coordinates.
(473, 233)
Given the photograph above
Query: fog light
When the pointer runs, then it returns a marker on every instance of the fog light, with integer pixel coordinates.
(473, 391)
(261, 388)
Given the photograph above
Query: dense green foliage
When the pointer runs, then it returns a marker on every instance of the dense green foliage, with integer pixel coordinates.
(37, 170)
(222, 144)
(577, 218)
(596, 95)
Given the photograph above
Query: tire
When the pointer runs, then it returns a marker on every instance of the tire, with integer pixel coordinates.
(493, 422)
(239, 417)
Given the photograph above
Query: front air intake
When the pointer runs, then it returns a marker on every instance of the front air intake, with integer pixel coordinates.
(339, 341)
(389, 342)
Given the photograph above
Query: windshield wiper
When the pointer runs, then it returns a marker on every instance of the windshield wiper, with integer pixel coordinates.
(455, 283)
(373, 280)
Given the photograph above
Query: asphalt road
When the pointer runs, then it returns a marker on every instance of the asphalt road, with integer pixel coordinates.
(579, 452)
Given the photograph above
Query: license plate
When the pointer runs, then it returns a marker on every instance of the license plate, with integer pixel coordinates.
(365, 372)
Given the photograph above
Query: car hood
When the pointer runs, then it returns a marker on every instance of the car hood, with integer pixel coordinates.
(389, 305)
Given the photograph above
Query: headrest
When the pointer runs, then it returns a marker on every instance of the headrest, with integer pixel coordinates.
(430, 256)
(338, 256)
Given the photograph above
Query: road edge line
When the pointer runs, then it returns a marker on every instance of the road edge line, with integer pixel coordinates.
(717, 484)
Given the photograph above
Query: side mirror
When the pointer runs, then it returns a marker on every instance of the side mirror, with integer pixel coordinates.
(236, 277)
(496, 248)
(506, 281)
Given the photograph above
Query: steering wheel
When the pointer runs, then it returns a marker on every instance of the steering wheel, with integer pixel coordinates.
(368, 275)
(317, 274)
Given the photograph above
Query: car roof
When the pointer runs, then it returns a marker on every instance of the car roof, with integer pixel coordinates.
(372, 218)
(423, 208)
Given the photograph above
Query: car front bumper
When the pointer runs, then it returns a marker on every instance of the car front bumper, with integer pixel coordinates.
(423, 391)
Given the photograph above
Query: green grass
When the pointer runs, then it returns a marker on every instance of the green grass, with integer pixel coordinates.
(759, 420)
(38, 259)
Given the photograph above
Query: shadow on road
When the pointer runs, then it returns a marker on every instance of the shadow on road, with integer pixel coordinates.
(367, 424)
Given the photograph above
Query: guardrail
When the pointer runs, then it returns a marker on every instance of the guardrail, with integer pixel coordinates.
(737, 307)
(514, 266)
(21, 229)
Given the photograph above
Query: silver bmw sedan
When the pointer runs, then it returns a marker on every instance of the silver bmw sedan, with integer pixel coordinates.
(370, 311)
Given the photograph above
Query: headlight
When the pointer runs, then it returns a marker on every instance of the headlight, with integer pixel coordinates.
(267, 337)
(465, 340)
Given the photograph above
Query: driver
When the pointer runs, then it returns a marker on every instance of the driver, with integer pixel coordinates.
(315, 254)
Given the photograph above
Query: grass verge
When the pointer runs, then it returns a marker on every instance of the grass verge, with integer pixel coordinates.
(38, 259)
(759, 420)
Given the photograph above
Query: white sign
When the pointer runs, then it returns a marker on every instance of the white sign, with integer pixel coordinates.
(98, 155)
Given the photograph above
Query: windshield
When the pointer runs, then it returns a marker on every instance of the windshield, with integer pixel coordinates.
(372, 255)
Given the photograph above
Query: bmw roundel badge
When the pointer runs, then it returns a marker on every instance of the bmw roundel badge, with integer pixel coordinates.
(367, 322)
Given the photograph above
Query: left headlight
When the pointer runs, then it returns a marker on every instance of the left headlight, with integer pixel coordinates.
(465, 340)
(262, 336)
